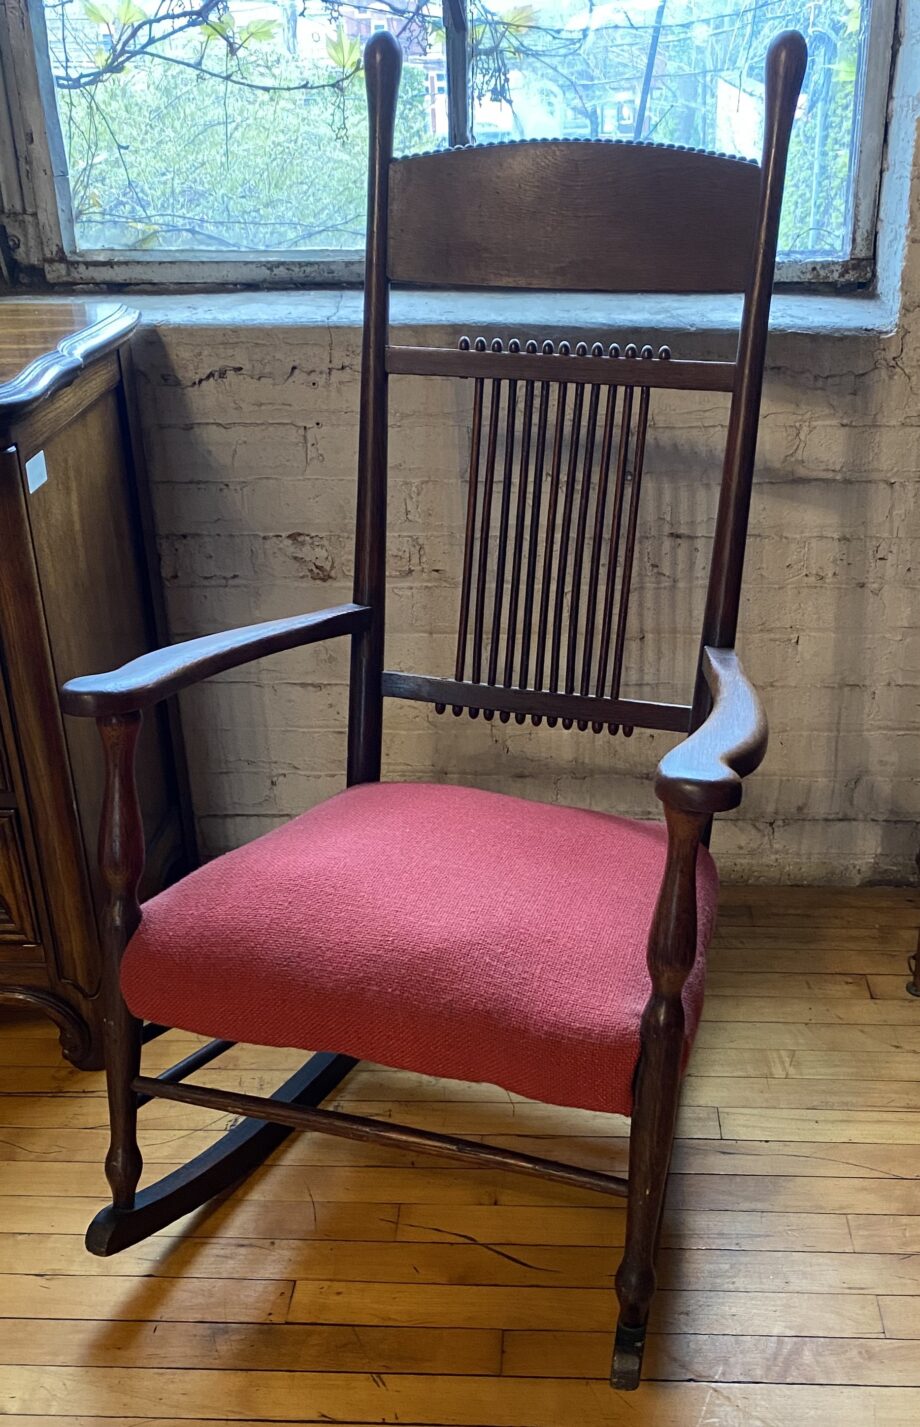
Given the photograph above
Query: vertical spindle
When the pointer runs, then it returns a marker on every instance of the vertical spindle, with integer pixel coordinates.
(631, 528)
(514, 348)
(534, 538)
(485, 526)
(520, 525)
(613, 551)
(549, 534)
(565, 533)
(597, 545)
(469, 539)
(581, 536)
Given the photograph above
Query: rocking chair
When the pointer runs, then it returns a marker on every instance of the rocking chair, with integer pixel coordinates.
(556, 952)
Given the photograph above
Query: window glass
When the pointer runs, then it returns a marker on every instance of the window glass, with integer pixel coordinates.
(228, 127)
(682, 72)
(238, 126)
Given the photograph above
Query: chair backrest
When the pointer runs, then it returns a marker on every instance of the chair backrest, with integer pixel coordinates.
(559, 436)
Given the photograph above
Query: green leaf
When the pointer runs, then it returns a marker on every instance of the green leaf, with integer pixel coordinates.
(344, 53)
(521, 18)
(99, 14)
(845, 70)
(217, 29)
(130, 14)
(259, 30)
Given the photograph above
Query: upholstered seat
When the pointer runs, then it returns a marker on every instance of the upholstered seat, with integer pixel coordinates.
(442, 929)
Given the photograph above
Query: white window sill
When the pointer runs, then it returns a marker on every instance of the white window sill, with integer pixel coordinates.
(624, 317)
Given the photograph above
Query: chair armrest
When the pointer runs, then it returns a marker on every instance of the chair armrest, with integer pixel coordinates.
(153, 677)
(703, 774)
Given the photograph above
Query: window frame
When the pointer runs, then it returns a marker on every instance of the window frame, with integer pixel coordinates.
(38, 237)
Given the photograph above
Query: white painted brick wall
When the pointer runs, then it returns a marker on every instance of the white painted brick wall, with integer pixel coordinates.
(251, 434)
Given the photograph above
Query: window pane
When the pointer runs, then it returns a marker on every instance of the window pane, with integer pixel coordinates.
(685, 72)
(230, 125)
(239, 125)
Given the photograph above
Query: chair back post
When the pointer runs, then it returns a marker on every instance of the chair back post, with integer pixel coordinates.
(382, 65)
(785, 70)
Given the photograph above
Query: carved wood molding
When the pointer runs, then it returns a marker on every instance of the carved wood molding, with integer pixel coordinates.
(44, 346)
(73, 1030)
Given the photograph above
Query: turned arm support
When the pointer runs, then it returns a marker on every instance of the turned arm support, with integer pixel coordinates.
(155, 676)
(703, 775)
(117, 700)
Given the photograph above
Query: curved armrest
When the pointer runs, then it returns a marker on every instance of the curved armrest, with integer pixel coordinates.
(155, 676)
(703, 774)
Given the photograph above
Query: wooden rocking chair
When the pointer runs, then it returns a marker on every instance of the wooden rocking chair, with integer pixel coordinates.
(556, 952)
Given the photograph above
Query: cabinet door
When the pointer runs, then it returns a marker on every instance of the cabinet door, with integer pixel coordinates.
(23, 919)
(18, 932)
(90, 560)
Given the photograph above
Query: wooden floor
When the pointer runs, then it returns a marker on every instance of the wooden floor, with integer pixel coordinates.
(348, 1285)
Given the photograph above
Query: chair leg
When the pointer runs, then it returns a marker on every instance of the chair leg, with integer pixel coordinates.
(235, 1155)
(650, 1143)
(124, 1162)
(671, 953)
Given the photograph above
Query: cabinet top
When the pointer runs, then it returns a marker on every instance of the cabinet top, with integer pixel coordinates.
(45, 344)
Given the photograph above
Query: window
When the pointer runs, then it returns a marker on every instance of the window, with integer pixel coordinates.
(227, 138)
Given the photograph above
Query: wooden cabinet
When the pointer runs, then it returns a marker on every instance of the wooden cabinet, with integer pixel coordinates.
(79, 593)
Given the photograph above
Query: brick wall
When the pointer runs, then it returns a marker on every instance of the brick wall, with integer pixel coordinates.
(251, 434)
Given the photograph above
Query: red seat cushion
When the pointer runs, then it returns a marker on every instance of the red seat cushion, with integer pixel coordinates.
(437, 929)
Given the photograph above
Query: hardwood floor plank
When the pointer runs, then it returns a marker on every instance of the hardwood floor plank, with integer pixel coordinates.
(702, 1357)
(89, 1112)
(790, 1158)
(368, 1262)
(729, 1037)
(783, 985)
(900, 1316)
(445, 1401)
(556, 1309)
(193, 1300)
(326, 1184)
(487, 1264)
(748, 1271)
(861, 1126)
(787, 958)
(460, 1118)
(885, 988)
(767, 901)
(885, 1233)
(734, 1092)
(724, 1156)
(165, 1147)
(249, 1346)
(804, 1064)
(508, 1225)
(491, 1118)
(792, 1194)
(817, 937)
(750, 1005)
(233, 1217)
